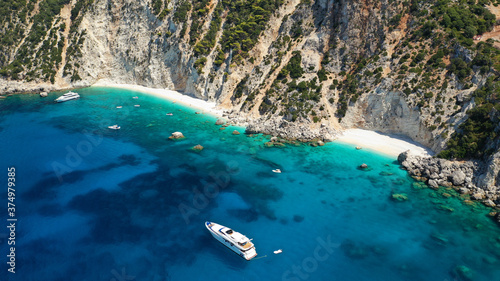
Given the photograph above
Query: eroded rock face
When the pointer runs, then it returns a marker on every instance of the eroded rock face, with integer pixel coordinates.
(492, 176)
(387, 111)
(290, 130)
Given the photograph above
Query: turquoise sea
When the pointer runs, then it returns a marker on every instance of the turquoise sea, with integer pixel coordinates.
(117, 205)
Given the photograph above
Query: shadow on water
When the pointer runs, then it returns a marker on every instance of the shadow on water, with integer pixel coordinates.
(245, 215)
(267, 162)
(112, 222)
(51, 210)
(46, 188)
(222, 253)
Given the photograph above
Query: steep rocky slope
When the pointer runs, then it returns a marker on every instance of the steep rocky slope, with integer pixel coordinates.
(297, 68)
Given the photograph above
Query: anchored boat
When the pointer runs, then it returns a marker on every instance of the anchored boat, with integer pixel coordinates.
(68, 96)
(235, 241)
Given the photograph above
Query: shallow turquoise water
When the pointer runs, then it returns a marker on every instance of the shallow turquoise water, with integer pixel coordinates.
(99, 204)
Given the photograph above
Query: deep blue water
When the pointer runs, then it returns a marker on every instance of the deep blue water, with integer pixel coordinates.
(98, 204)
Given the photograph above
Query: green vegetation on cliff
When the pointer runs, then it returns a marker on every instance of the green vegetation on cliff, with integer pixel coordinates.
(36, 53)
(317, 64)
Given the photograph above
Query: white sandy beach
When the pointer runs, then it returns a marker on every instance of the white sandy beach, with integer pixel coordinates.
(386, 144)
(203, 106)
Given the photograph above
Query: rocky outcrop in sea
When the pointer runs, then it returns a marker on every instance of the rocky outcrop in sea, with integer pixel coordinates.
(468, 177)
(290, 130)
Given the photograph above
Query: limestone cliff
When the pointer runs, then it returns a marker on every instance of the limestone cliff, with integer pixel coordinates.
(299, 68)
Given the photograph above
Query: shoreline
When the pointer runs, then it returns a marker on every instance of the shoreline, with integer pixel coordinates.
(390, 145)
(170, 95)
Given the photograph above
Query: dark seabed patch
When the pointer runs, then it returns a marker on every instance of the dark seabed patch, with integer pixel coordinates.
(246, 215)
(51, 210)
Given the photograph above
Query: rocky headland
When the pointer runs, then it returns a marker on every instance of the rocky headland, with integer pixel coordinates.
(472, 178)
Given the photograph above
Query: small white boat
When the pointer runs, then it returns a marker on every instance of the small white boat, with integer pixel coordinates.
(68, 96)
(278, 171)
(114, 127)
(137, 105)
(119, 106)
(278, 251)
(169, 114)
(235, 241)
(136, 97)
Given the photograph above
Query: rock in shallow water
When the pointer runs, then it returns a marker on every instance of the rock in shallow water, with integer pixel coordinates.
(298, 218)
(176, 136)
(197, 147)
(399, 197)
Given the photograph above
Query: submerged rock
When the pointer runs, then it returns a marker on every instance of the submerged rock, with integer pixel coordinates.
(440, 238)
(197, 147)
(298, 218)
(419, 185)
(462, 272)
(446, 208)
(446, 195)
(399, 197)
(236, 132)
(489, 203)
(354, 250)
(469, 202)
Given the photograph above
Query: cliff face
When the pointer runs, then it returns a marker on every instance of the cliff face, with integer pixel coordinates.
(122, 45)
(299, 68)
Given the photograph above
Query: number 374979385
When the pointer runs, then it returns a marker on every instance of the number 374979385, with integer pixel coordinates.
(11, 192)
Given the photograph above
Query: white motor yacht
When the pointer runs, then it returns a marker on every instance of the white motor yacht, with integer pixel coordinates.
(68, 96)
(235, 241)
